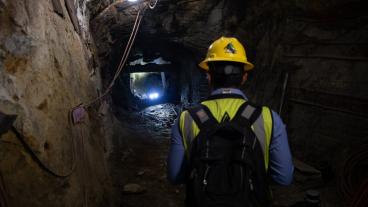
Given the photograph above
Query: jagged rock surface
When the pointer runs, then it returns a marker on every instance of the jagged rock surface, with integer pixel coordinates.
(44, 72)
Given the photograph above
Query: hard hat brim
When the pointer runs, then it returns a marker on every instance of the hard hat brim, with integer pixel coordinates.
(204, 64)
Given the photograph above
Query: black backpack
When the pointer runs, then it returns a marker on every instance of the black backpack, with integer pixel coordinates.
(226, 162)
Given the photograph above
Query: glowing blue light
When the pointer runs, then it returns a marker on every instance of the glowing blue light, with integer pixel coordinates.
(132, 0)
(153, 96)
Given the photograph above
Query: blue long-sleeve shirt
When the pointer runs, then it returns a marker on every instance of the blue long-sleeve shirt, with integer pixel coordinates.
(281, 167)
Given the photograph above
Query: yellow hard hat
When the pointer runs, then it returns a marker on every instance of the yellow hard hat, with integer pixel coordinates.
(226, 49)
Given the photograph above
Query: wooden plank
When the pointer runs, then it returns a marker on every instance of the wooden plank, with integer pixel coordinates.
(70, 7)
(58, 8)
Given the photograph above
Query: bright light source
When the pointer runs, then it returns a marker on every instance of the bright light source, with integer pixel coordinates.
(132, 0)
(153, 96)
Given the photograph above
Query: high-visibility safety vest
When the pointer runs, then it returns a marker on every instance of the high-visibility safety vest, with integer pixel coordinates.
(229, 105)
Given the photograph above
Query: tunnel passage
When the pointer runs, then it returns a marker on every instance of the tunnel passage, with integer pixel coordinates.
(311, 67)
(157, 72)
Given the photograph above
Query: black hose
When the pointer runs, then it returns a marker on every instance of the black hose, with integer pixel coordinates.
(37, 159)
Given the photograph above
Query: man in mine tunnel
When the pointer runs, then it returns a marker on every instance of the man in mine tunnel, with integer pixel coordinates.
(226, 148)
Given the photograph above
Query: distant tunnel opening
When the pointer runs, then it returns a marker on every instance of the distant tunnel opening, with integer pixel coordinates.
(157, 73)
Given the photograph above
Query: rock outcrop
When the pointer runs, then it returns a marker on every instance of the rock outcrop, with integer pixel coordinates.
(45, 70)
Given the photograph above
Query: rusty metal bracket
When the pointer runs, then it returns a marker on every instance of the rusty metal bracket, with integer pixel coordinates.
(78, 114)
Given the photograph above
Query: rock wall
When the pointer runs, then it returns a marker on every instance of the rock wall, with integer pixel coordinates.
(325, 54)
(46, 68)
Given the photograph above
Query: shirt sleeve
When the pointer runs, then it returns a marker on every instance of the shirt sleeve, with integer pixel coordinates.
(281, 164)
(176, 160)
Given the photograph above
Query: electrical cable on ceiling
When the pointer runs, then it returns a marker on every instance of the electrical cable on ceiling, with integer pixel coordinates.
(151, 4)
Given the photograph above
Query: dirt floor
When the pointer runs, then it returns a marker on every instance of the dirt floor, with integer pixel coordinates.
(138, 165)
(139, 157)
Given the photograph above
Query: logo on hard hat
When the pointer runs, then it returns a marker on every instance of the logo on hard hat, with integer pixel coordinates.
(230, 48)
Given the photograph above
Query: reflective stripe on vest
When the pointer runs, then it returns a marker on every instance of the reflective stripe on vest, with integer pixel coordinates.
(262, 127)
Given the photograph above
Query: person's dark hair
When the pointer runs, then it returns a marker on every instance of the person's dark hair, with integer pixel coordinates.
(226, 74)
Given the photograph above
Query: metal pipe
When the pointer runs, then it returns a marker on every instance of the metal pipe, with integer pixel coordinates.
(326, 43)
(302, 102)
(163, 79)
(329, 94)
(311, 20)
(283, 92)
(328, 57)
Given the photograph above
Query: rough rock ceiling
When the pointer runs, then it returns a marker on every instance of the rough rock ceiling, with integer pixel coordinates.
(195, 23)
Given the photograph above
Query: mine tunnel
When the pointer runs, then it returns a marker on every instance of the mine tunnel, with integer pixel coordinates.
(91, 89)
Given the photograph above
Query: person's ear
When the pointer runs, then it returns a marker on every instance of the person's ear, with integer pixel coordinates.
(245, 78)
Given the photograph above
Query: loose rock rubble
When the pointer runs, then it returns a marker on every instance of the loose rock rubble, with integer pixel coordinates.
(133, 188)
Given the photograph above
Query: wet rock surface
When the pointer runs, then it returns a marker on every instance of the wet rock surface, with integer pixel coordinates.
(155, 120)
(139, 158)
(160, 118)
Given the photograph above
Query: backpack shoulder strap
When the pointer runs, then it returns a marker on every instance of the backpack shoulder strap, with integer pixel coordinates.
(247, 114)
(202, 116)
